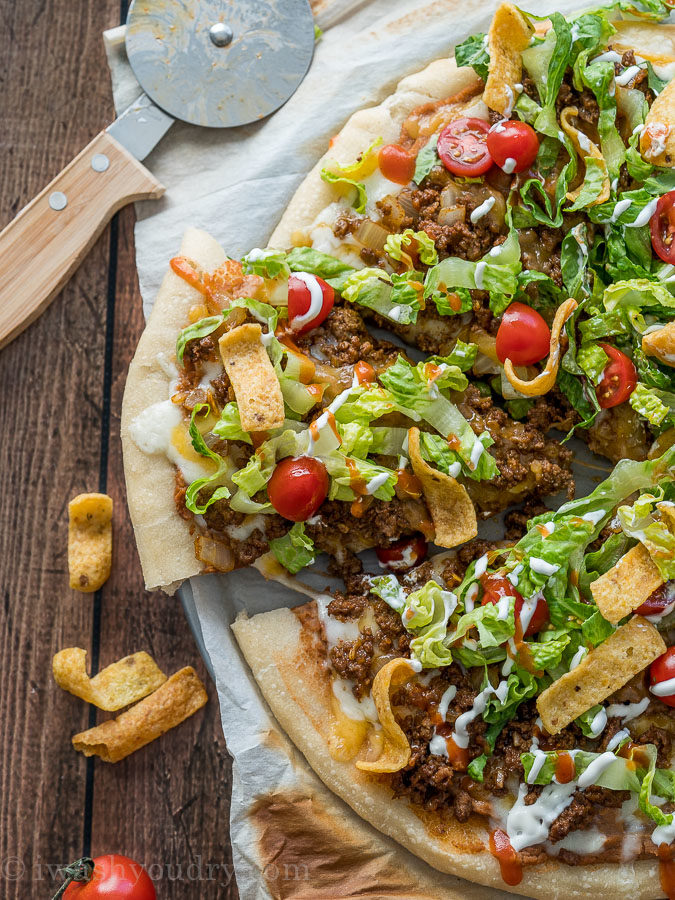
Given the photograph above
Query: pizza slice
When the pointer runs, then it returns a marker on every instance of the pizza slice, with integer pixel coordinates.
(481, 709)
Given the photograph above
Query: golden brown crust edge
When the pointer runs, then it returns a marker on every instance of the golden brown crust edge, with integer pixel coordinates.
(441, 78)
(165, 545)
(291, 682)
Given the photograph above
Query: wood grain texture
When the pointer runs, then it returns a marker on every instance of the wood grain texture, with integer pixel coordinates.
(45, 243)
(61, 384)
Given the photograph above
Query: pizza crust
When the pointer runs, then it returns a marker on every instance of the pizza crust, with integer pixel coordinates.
(290, 672)
(165, 544)
(442, 78)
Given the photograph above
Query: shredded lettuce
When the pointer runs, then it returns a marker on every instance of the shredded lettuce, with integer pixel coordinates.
(332, 270)
(655, 406)
(221, 491)
(196, 331)
(427, 158)
(473, 52)
(267, 263)
(418, 241)
(651, 520)
(347, 178)
(392, 296)
(295, 549)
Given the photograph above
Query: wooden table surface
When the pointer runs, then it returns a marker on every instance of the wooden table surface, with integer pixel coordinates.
(61, 385)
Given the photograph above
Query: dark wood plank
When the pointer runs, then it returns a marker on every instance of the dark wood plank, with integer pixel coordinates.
(54, 96)
(168, 804)
(180, 784)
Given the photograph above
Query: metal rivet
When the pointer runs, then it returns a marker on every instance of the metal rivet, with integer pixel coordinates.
(221, 34)
(58, 200)
(100, 162)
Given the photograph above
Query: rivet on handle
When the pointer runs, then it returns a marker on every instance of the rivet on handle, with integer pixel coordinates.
(100, 162)
(58, 200)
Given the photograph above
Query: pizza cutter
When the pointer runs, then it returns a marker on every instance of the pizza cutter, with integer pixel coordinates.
(212, 63)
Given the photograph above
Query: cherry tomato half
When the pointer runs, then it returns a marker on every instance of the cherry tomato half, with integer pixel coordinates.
(662, 227)
(298, 487)
(495, 587)
(658, 601)
(618, 380)
(663, 669)
(515, 141)
(403, 554)
(310, 300)
(463, 149)
(396, 163)
(114, 876)
(523, 336)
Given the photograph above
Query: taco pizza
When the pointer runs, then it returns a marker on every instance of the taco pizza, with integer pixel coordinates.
(477, 269)
(485, 711)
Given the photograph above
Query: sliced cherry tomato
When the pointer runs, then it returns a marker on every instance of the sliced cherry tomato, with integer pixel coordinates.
(403, 554)
(658, 601)
(495, 587)
(514, 141)
(113, 876)
(662, 227)
(618, 380)
(523, 336)
(663, 670)
(396, 163)
(298, 487)
(463, 149)
(310, 300)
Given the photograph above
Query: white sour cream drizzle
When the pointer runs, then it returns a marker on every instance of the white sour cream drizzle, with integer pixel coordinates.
(595, 769)
(460, 735)
(627, 75)
(663, 688)
(376, 482)
(594, 517)
(478, 274)
(599, 723)
(529, 825)
(446, 699)
(481, 565)
(542, 566)
(483, 209)
(509, 165)
(627, 711)
(645, 214)
(578, 656)
(470, 597)
(315, 299)
(618, 737)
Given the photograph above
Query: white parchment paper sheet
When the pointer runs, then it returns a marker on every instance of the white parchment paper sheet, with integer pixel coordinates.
(236, 184)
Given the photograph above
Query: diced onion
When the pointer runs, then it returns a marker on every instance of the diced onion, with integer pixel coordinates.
(371, 235)
(213, 553)
(451, 215)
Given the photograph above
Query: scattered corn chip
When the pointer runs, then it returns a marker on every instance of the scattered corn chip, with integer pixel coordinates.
(584, 147)
(118, 685)
(661, 343)
(508, 36)
(627, 584)
(608, 667)
(176, 700)
(657, 141)
(452, 510)
(89, 541)
(544, 381)
(253, 379)
(395, 747)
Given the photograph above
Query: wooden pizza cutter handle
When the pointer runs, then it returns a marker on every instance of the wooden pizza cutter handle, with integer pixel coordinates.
(41, 248)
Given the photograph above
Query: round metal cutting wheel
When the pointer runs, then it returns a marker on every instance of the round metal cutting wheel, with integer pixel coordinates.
(220, 63)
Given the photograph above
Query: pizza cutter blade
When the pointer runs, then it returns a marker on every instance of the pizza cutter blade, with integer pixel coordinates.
(213, 63)
(219, 63)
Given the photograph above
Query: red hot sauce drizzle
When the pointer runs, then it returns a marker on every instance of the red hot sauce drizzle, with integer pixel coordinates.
(506, 856)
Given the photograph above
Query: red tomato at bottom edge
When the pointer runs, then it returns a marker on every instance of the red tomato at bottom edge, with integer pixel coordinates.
(115, 877)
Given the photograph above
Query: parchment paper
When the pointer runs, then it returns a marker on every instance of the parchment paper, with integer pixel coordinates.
(235, 184)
